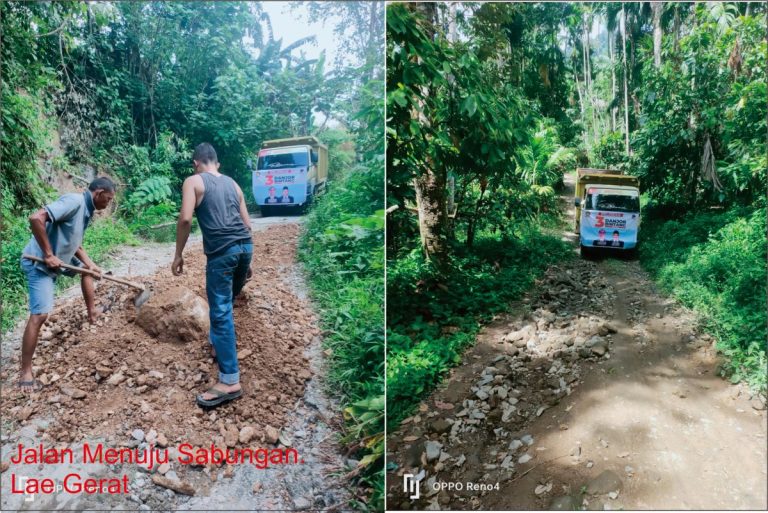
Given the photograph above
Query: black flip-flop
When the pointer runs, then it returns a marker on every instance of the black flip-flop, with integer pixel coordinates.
(35, 384)
(219, 399)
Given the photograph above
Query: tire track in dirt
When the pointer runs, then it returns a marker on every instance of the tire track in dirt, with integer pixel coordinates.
(594, 392)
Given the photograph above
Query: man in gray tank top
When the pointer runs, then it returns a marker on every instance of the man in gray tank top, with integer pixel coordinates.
(219, 204)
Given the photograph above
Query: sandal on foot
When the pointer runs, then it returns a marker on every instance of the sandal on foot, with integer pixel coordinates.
(220, 397)
(35, 384)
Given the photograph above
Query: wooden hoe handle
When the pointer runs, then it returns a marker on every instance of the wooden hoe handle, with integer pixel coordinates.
(82, 270)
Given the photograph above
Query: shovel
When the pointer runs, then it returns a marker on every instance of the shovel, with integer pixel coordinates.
(140, 298)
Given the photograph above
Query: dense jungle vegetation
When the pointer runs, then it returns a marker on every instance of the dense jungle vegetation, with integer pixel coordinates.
(489, 104)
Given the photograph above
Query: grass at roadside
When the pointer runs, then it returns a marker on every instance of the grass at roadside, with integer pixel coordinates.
(715, 264)
(343, 251)
(431, 318)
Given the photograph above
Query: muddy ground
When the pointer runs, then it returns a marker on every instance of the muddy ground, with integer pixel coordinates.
(594, 392)
(114, 383)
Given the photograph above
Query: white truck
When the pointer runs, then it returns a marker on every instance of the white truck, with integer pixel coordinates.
(607, 211)
(289, 173)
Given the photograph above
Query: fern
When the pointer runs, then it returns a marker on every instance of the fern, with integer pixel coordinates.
(151, 191)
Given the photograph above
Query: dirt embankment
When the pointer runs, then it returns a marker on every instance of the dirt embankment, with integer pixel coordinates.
(594, 392)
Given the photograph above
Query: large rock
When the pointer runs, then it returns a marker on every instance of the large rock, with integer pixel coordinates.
(247, 434)
(433, 450)
(177, 314)
(567, 503)
(441, 426)
(608, 481)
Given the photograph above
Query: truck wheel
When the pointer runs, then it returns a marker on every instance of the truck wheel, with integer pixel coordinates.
(304, 208)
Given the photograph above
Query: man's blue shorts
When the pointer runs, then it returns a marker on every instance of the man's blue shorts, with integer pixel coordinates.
(41, 286)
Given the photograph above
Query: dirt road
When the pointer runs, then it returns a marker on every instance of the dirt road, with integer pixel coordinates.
(116, 385)
(594, 392)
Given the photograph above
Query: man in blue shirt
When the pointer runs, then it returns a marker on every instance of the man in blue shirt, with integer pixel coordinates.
(57, 237)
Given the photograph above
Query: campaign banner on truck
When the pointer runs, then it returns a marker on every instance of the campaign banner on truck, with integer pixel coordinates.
(609, 229)
(286, 186)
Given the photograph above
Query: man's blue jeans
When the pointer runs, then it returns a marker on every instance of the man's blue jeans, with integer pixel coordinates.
(225, 276)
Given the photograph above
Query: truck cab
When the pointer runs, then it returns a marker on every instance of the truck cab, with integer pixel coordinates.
(289, 173)
(607, 211)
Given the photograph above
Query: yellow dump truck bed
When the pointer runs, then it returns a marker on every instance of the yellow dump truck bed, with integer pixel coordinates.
(311, 141)
(602, 177)
(593, 176)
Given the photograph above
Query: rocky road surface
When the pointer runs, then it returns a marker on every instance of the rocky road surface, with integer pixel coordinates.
(113, 384)
(594, 392)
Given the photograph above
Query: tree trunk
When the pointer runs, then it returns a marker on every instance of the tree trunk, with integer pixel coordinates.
(453, 33)
(586, 97)
(657, 8)
(626, 95)
(676, 45)
(611, 44)
(584, 132)
(595, 115)
(473, 221)
(430, 182)
(433, 218)
(371, 54)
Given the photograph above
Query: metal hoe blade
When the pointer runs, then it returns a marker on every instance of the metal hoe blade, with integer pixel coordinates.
(141, 298)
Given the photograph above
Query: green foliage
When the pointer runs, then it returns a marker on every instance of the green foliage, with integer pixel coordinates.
(16, 234)
(343, 250)
(104, 235)
(477, 122)
(527, 34)
(717, 94)
(24, 134)
(487, 113)
(714, 263)
(542, 161)
(700, 143)
(157, 222)
(432, 318)
(136, 85)
(27, 84)
(609, 152)
(341, 150)
(152, 191)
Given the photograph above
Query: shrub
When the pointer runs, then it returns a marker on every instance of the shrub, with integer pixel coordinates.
(432, 318)
(343, 251)
(714, 263)
(16, 234)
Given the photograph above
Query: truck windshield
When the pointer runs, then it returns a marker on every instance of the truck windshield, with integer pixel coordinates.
(294, 159)
(613, 202)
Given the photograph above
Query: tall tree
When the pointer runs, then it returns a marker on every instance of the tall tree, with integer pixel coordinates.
(624, 62)
(612, 56)
(430, 182)
(658, 9)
